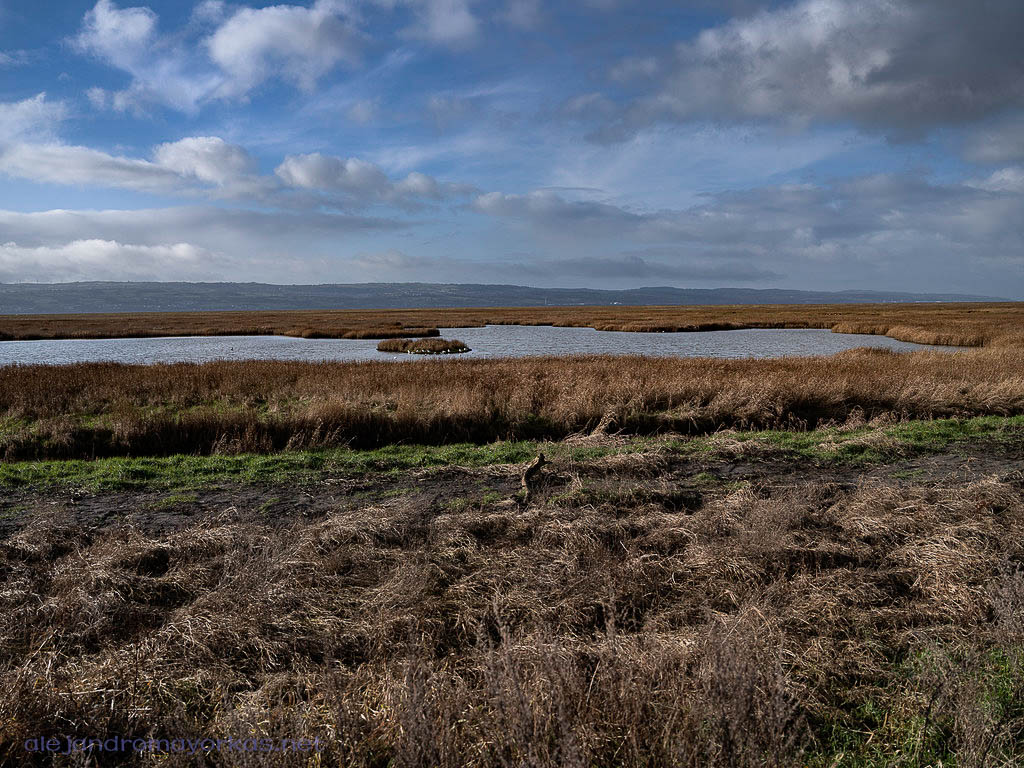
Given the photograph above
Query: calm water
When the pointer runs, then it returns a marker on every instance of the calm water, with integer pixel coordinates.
(490, 341)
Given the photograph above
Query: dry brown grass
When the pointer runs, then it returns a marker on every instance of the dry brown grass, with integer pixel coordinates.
(89, 410)
(966, 324)
(368, 332)
(755, 627)
(307, 325)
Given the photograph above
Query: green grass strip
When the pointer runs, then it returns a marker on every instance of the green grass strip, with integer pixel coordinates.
(297, 467)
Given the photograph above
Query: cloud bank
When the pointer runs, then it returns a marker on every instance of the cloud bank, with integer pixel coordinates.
(805, 143)
(899, 68)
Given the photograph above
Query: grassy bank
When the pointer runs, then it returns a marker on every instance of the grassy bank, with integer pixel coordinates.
(962, 324)
(851, 445)
(288, 468)
(95, 410)
(736, 600)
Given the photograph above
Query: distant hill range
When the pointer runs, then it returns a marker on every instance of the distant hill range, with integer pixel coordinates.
(45, 298)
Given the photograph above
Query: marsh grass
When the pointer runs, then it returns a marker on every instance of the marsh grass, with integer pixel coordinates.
(874, 625)
(106, 409)
(961, 324)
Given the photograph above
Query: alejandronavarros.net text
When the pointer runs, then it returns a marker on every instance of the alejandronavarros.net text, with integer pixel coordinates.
(68, 745)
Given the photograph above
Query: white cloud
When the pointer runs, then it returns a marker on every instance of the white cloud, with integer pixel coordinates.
(201, 166)
(300, 44)
(181, 166)
(440, 22)
(180, 243)
(419, 185)
(13, 58)
(210, 11)
(209, 166)
(317, 171)
(207, 158)
(228, 51)
(119, 101)
(34, 118)
(1010, 179)
(108, 260)
(72, 165)
(120, 36)
(245, 49)
(448, 22)
(362, 181)
(161, 70)
(98, 97)
(215, 229)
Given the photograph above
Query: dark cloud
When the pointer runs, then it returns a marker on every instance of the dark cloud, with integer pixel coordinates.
(999, 142)
(896, 231)
(635, 268)
(898, 67)
(884, 231)
(546, 208)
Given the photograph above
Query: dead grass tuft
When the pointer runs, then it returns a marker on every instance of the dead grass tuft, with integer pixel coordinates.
(758, 626)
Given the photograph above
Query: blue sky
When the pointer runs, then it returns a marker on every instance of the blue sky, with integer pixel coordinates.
(820, 144)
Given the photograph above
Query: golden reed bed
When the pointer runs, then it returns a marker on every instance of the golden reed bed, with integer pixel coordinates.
(962, 324)
(94, 409)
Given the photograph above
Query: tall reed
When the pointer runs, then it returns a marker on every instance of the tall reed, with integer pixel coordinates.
(111, 409)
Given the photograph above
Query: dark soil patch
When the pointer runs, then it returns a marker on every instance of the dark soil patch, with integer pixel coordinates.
(672, 481)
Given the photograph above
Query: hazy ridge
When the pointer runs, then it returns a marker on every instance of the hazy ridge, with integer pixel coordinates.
(31, 298)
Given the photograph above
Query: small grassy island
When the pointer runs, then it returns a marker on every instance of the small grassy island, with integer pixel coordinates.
(423, 346)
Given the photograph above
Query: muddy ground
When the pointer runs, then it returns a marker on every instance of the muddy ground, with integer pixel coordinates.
(662, 476)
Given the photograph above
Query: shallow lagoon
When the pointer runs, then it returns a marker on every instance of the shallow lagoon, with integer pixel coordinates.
(487, 342)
